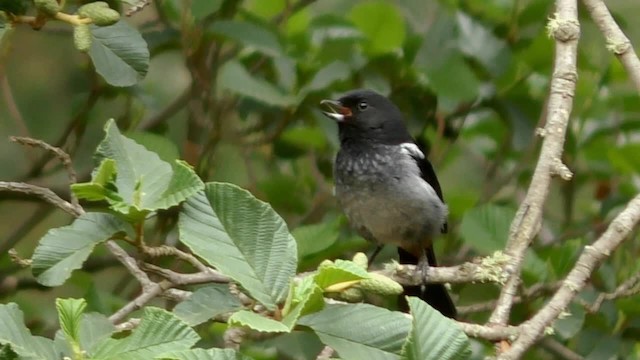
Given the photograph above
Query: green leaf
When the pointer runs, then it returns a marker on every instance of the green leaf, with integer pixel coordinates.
(249, 35)
(442, 64)
(304, 137)
(257, 322)
(95, 328)
(200, 9)
(625, 158)
(98, 189)
(243, 237)
(69, 314)
(382, 24)
(14, 333)
(204, 354)
(327, 76)
(161, 145)
(380, 333)
(159, 332)
(486, 228)
(304, 298)
(145, 182)
(570, 324)
(6, 353)
(338, 272)
(314, 238)
(119, 53)
(235, 78)
(64, 249)
(206, 303)
(434, 336)
(478, 41)
(453, 79)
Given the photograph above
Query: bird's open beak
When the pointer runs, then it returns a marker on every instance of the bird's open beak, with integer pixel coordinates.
(335, 110)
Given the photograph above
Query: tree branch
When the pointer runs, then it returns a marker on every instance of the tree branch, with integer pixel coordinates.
(617, 41)
(566, 30)
(592, 256)
(44, 194)
(64, 158)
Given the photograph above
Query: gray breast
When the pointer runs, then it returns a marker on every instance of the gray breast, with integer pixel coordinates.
(384, 197)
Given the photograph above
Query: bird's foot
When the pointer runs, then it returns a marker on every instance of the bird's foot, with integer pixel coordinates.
(374, 254)
(423, 267)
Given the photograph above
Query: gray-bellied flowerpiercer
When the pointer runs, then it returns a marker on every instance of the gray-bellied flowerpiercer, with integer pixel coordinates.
(386, 186)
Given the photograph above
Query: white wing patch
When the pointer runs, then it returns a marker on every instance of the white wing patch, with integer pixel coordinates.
(412, 149)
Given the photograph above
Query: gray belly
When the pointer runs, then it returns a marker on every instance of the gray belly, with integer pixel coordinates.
(393, 211)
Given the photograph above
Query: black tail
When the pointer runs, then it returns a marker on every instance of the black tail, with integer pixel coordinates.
(435, 295)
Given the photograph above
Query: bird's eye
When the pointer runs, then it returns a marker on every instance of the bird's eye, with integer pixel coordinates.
(362, 105)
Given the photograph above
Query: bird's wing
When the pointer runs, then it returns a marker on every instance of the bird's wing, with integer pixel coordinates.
(426, 170)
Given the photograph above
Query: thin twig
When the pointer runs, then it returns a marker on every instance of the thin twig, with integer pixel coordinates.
(64, 158)
(147, 295)
(165, 250)
(560, 350)
(43, 193)
(566, 30)
(533, 292)
(12, 107)
(628, 288)
(617, 41)
(591, 257)
(206, 276)
(326, 353)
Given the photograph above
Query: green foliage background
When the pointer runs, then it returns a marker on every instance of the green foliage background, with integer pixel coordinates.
(233, 88)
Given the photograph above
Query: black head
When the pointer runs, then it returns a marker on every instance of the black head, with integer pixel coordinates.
(364, 115)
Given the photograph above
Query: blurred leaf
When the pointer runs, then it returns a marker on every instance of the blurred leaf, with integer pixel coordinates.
(14, 333)
(267, 9)
(325, 77)
(314, 238)
(381, 333)
(6, 353)
(534, 269)
(16, 7)
(329, 27)
(206, 303)
(159, 332)
(278, 184)
(442, 64)
(338, 272)
(257, 322)
(200, 9)
(486, 228)
(453, 79)
(477, 41)
(562, 257)
(119, 53)
(94, 328)
(69, 315)
(625, 158)
(249, 35)
(65, 249)
(243, 238)
(204, 354)
(235, 78)
(570, 323)
(304, 137)
(285, 67)
(382, 23)
(434, 336)
(161, 145)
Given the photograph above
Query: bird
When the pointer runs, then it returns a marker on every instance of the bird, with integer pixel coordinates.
(386, 186)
